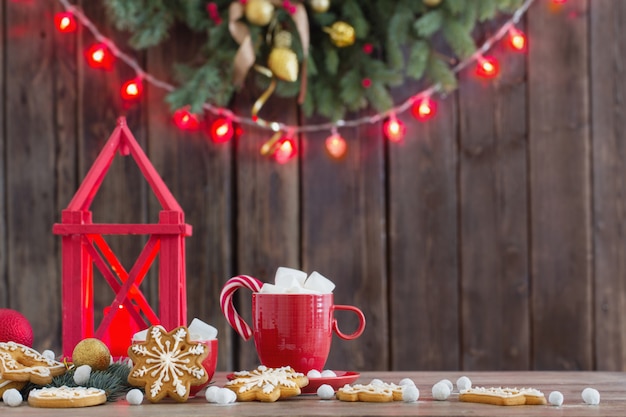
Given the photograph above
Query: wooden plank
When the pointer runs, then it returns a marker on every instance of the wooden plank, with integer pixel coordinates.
(267, 206)
(123, 195)
(4, 277)
(423, 247)
(199, 174)
(30, 170)
(493, 183)
(344, 238)
(608, 115)
(560, 196)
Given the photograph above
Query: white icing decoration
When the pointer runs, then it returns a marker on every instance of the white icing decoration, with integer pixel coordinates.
(168, 361)
(375, 387)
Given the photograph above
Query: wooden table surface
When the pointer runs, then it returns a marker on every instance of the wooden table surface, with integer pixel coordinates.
(611, 385)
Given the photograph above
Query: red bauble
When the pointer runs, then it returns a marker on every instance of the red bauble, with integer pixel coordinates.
(14, 327)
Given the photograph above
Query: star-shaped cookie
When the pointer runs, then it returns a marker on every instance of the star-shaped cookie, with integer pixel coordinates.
(23, 364)
(267, 384)
(167, 364)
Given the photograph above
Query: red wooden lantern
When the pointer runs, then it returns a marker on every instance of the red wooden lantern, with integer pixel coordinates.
(83, 247)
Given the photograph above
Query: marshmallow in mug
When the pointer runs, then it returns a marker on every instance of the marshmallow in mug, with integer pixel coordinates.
(198, 330)
(293, 281)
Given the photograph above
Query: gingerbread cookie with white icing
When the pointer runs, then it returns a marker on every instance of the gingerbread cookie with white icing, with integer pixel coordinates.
(503, 396)
(21, 363)
(267, 384)
(66, 397)
(378, 392)
(167, 364)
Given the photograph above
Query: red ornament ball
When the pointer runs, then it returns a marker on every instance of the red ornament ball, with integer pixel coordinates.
(14, 327)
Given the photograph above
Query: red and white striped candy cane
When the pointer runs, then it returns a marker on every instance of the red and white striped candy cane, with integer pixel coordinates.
(226, 302)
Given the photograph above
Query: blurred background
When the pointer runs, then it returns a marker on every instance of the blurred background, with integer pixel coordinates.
(491, 237)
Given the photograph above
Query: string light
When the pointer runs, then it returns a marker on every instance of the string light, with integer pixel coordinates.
(336, 145)
(517, 39)
(99, 56)
(185, 120)
(221, 130)
(285, 150)
(424, 109)
(65, 22)
(132, 89)
(488, 67)
(394, 129)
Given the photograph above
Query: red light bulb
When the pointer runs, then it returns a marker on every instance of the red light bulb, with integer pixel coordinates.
(517, 40)
(99, 56)
(488, 67)
(285, 150)
(221, 130)
(132, 89)
(186, 120)
(394, 129)
(336, 145)
(65, 22)
(424, 109)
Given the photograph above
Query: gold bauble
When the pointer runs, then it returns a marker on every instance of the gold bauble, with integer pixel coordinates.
(341, 34)
(92, 352)
(283, 62)
(320, 6)
(259, 12)
(431, 3)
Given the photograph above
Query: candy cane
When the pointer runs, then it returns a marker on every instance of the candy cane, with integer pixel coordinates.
(226, 302)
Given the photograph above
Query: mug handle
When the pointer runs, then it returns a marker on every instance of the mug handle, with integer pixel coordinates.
(226, 302)
(358, 331)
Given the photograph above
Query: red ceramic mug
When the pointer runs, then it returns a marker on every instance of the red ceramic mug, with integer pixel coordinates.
(289, 329)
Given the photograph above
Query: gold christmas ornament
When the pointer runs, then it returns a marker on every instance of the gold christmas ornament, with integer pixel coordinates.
(259, 12)
(320, 6)
(431, 3)
(341, 34)
(282, 61)
(92, 352)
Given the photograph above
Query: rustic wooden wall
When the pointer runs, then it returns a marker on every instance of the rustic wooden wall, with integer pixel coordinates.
(491, 238)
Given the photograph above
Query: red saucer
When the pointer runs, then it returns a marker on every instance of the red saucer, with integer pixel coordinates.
(342, 378)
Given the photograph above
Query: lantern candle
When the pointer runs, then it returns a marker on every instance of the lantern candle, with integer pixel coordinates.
(120, 332)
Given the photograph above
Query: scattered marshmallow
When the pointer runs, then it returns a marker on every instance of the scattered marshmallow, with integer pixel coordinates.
(48, 354)
(406, 382)
(199, 330)
(326, 392)
(82, 374)
(12, 397)
(288, 277)
(555, 398)
(134, 396)
(441, 391)
(448, 383)
(591, 396)
(327, 373)
(314, 373)
(225, 396)
(463, 383)
(219, 395)
(377, 381)
(211, 393)
(410, 393)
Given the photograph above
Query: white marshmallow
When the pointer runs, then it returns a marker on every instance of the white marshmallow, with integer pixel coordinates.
(134, 397)
(272, 289)
(441, 391)
(199, 330)
(556, 398)
(406, 382)
(410, 394)
(12, 397)
(327, 373)
(448, 383)
(48, 354)
(463, 383)
(225, 396)
(326, 392)
(314, 373)
(377, 381)
(318, 282)
(211, 393)
(82, 374)
(591, 396)
(288, 277)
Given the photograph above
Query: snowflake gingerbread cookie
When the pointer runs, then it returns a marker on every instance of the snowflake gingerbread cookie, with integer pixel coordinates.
(267, 384)
(167, 364)
(20, 363)
(377, 392)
